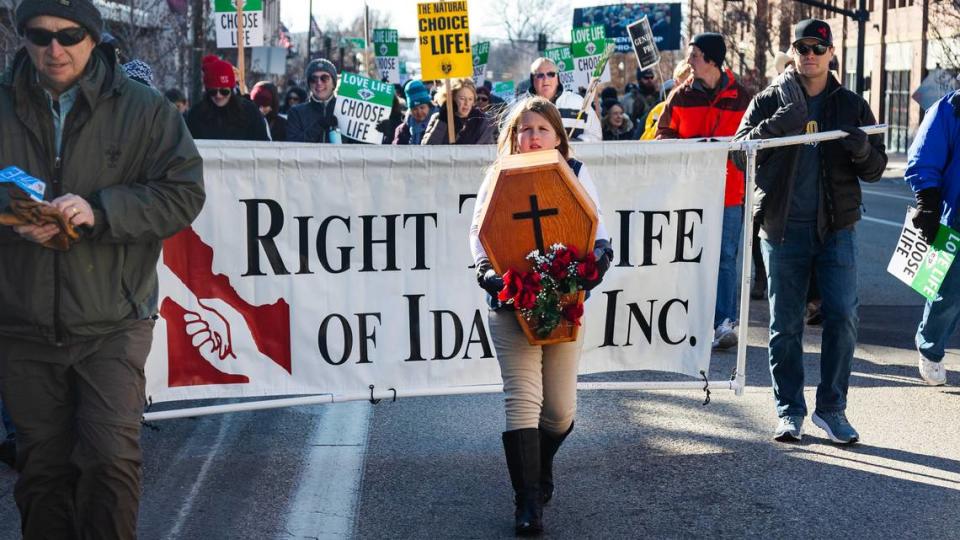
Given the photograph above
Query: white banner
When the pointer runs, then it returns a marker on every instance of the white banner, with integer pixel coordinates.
(327, 268)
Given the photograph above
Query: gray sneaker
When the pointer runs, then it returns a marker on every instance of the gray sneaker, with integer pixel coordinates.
(836, 425)
(789, 429)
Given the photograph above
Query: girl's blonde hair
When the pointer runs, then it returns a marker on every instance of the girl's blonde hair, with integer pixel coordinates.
(455, 86)
(507, 143)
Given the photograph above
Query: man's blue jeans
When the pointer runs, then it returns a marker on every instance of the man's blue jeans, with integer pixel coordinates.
(940, 317)
(728, 284)
(789, 264)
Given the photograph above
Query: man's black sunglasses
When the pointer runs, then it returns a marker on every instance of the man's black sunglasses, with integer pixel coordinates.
(818, 49)
(222, 91)
(545, 75)
(66, 37)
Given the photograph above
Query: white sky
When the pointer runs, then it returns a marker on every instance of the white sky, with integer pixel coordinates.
(403, 14)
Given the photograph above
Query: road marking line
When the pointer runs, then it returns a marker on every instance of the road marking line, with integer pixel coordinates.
(884, 222)
(890, 195)
(328, 493)
(186, 509)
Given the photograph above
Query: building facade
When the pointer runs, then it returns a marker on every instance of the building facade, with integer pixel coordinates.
(905, 40)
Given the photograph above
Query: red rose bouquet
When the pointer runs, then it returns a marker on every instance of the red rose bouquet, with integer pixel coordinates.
(546, 295)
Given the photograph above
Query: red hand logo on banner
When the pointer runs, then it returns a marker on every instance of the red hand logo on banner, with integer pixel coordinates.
(205, 346)
(199, 329)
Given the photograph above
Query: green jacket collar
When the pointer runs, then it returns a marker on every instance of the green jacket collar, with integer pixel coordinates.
(102, 78)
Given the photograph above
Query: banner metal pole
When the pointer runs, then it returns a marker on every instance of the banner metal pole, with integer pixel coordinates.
(389, 394)
(752, 148)
(747, 264)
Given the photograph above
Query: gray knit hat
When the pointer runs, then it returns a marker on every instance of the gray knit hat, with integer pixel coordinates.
(321, 64)
(82, 12)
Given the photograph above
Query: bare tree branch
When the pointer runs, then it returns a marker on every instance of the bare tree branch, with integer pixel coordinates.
(9, 40)
(150, 31)
(524, 20)
(945, 27)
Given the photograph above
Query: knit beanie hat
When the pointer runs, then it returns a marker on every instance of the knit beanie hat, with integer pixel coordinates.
(262, 96)
(207, 60)
(606, 104)
(218, 74)
(321, 64)
(416, 94)
(139, 71)
(82, 12)
(608, 93)
(712, 46)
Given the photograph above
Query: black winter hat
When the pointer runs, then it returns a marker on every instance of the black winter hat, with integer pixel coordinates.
(82, 12)
(712, 46)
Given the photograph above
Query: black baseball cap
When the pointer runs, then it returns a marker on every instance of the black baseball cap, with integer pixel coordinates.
(813, 29)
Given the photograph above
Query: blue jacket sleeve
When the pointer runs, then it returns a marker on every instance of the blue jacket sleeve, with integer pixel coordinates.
(928, 155)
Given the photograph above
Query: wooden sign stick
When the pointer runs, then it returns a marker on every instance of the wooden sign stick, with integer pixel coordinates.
(587, 102)
(240, 60)
(451, 135)
(592, 88)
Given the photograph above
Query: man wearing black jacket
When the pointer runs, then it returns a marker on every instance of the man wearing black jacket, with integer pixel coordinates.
(808, 201)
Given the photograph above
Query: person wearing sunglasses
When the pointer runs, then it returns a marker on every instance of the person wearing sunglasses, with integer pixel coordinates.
(223, 114)
(710, 103)
(639, 99)
(76, 323)
(314, 121)
(545, 82)
(294, 96)
(808, 204)
(483, 99)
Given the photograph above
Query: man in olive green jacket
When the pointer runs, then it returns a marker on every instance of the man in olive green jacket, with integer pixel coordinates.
(76, 326)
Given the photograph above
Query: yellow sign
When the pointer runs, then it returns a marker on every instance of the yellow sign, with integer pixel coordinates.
(444, 40)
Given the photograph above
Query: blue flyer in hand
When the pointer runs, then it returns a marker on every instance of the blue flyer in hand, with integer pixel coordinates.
(34, 187)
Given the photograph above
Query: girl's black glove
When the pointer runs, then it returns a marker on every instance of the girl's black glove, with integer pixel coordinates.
(604, 255)
(488, 278)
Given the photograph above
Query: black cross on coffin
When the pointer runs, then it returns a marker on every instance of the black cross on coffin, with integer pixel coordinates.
(535, 214)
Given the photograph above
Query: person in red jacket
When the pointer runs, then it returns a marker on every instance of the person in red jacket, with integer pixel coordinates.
(711, 104)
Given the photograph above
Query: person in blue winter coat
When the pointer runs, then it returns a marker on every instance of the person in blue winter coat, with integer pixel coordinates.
(933, 171)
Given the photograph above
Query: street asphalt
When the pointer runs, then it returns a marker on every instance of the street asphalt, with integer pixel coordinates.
(639, 464)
